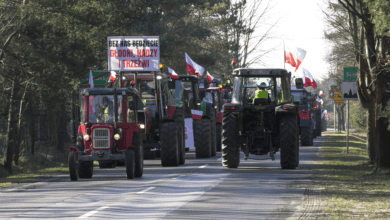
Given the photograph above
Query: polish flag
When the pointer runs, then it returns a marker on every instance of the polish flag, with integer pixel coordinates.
(196, 114)
(192, 67)
(308, 79)
(173, 74)
(318, 100)
(113, 76)
(210, 77)
(91, 79)
(294, 56)
(321, 93)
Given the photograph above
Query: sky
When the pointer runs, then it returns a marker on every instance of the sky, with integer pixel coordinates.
(301, 24)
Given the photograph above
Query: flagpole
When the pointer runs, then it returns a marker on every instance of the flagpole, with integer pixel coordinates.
(284, 55)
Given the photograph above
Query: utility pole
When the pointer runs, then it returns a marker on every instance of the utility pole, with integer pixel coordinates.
(347, 126)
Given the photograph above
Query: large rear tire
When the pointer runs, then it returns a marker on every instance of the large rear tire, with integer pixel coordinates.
(130, 164)
(230, 148)
(202, 136)
(306, 136)
(86, 169)
(219, 137)
(288, 142)
(73, 169)
(213, 133)
(138, 154)
(169, 144)
(179, 119)
(318, 125)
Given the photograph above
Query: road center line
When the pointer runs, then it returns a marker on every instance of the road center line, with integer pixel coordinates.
(203, 166)
(86, 215)
(145, 190)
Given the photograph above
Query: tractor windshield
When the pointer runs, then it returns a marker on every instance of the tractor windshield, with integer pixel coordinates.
(299, 96)
(206, 96)
(183, 90)
(101, 109)
(245, 88)
(146, 89)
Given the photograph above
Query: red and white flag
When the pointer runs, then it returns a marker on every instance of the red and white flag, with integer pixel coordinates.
(196, 114)
(318, 100)
(210, 77)
(172, 74)
(294, 56)
(308, 79)
(90, 79)
(192, 67)
(113, 76)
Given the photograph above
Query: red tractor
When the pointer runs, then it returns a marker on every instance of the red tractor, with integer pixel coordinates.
(109, 132)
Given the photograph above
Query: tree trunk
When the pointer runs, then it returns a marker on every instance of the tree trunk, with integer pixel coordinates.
(20, 116)
(371, 133)
(10, 141)
(382, 134)
(62, 128)
(32, 122)
(52, 121)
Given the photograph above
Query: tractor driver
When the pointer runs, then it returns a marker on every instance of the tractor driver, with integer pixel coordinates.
(261, 93)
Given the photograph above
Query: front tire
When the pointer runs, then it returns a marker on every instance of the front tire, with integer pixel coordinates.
(288, 148)
(202, 131)
(306, 136)
(73, 170)
(179, 119)
(169, 144)
(230, 148)
(138, 155)
(130, 164)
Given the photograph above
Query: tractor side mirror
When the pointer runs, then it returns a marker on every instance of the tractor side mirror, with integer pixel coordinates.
(171, 84)
(299, 83)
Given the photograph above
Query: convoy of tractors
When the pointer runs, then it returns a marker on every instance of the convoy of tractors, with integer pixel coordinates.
(147, 115)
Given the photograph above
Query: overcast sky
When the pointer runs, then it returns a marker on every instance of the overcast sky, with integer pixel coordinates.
(301, 23)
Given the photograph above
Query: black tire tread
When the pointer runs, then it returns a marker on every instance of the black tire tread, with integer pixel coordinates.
(169, 144)
(202, 137)
(288, 136)
(73, 170)
(230, 149)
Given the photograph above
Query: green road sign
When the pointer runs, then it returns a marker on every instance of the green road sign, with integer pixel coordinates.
(350, 74)
(100, 77)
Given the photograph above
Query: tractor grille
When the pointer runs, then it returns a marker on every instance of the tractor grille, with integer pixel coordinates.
(101, 138)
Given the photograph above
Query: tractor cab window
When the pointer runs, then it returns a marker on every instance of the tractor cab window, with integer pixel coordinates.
(183, 90)
(146, 89)
(237, 89)
(207, 96)
(252, 85)
(101, 109)
(299, 97)
(132, 105)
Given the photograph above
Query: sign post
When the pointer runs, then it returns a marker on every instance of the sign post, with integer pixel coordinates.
(349, 92)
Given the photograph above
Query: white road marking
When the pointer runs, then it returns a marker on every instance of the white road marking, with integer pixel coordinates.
(145, 190)
(86, 215)
(203, 166)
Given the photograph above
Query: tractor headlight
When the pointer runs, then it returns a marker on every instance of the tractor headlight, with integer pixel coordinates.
(117, 137)
(86, 137)
(142, 126)
(158, 77)
(198, 103)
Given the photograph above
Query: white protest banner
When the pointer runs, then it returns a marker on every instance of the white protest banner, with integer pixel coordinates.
(133, 53)
(189, 133)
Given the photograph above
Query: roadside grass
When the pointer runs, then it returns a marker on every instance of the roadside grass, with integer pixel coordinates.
(349, 187)
(45, 163)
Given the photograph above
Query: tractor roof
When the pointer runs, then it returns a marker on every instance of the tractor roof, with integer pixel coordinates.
(255, 72)
(109, 91)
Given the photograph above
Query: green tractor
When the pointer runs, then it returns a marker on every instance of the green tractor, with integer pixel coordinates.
(198, 124)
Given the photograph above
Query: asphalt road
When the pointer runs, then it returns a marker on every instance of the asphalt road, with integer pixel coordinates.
(200, 189)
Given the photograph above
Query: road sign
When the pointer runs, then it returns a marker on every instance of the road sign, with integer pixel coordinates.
(337, 98)
(350, 74)
(349, 91)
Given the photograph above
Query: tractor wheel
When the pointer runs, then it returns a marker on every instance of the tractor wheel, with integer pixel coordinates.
(169, 144)
(219, 137)
(130, 164)
(202, 137)
(86, 169)
(73, 169)
(288, 142)
(181, 139)
(318, 126)
(230, 149)
(120, 163)
(179, 119)
(138, 154)
(297, 161)
(306, 137)
(213, 133)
